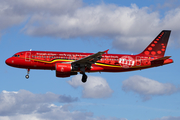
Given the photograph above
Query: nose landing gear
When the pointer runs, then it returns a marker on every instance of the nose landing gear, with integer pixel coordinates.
(27, 76)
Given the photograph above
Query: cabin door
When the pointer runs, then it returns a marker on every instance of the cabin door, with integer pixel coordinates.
(28, 56)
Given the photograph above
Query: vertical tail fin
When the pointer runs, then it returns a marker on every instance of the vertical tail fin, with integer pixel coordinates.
(158, 46)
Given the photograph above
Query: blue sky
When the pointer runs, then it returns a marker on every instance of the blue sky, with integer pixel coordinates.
(89, 26)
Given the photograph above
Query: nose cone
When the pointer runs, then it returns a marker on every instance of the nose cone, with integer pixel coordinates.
(9, 61)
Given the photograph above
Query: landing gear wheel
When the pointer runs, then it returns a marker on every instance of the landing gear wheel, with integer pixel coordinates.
(84, 78)
(27, 76)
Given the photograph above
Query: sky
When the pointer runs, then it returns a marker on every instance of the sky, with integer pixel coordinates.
(123, 27)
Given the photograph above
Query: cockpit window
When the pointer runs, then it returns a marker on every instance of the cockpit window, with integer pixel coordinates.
(16, 55)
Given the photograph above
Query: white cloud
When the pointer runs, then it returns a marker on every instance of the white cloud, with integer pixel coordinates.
(147, 88)
(8, 18)
(95, 87)
(16, 12)
(168, 118)
(24, 101)
(126, 26)
(41, 7)
(24, 105)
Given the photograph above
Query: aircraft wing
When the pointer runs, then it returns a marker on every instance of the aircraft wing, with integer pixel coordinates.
(90, 59)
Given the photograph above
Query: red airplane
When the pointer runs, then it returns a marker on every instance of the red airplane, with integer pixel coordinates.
(70, 63)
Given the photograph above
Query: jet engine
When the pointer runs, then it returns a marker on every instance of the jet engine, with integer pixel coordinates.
(64, 70)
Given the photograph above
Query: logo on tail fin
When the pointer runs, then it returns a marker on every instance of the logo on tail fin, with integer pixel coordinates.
(158, 46)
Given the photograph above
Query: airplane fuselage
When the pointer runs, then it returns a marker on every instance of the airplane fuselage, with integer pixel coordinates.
(70, 63)
(108, 63)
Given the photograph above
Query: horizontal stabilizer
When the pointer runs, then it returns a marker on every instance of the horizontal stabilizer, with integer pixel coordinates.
(159, 61)
(162, 58)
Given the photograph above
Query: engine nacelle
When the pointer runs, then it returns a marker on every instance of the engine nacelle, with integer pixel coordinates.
(62, 67)
(63, 70)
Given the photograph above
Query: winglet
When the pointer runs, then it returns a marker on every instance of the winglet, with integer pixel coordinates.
(106, 51)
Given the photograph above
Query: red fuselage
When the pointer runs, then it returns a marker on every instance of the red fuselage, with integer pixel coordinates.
(108, 62)
(70, 63)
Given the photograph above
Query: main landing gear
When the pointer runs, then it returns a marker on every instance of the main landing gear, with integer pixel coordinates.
(84, 77)
(27, 76)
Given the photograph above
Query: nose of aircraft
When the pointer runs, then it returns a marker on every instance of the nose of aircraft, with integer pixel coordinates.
(9, 61)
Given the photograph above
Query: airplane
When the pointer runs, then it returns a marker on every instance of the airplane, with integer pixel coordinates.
(67, 64)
